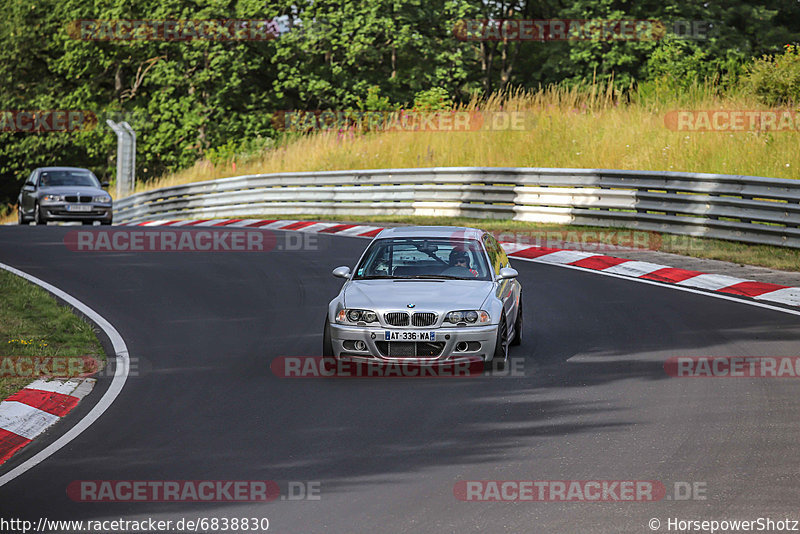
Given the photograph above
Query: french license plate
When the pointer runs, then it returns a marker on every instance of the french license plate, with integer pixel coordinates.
(409, 335)
(78, 207)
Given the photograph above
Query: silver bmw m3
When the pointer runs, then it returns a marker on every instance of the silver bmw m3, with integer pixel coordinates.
(433, 293)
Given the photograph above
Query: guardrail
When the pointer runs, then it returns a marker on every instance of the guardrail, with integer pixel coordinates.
(739, 208)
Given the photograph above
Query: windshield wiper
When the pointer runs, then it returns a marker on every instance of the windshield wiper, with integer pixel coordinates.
(377, 277)
(432, 276)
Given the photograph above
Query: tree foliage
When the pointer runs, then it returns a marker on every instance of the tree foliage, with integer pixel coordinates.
(205, 98)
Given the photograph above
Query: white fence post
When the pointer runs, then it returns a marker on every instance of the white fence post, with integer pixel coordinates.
(126, 157)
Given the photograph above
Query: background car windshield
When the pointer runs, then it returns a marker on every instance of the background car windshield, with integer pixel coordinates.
(59, 178)
(424, 258)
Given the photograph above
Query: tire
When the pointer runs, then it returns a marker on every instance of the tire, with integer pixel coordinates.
(21, 219)
(105, 223)
(327, 344)
(87, 223)
(328, 358)
(501, 347)
(517, 340)
(37, 217)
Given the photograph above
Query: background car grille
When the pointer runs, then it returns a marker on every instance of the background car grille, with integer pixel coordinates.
(410, 349)
(423, 319)
(74, 198)
(396, 318)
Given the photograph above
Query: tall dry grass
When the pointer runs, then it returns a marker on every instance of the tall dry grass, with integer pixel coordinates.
(594, 126)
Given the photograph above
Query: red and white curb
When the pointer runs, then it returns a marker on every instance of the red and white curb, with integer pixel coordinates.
(121, 361)
(773, 293)
(352, 230)
(659, 273)
(32, 410)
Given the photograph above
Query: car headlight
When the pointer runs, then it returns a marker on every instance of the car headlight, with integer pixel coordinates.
(468, 317)
(355, 316)
(102, 198)
(53, 198)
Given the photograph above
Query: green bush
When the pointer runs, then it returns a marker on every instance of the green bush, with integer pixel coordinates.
(374, 101)
(775, 80)
(433, 99)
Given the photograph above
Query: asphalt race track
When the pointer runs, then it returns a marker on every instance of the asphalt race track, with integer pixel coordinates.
(594, 401)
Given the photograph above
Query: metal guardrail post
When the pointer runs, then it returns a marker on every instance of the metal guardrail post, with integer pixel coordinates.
(131, 158)
(126, 157)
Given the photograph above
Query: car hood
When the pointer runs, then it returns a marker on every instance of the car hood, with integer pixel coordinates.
(71, 190)
(425, 295)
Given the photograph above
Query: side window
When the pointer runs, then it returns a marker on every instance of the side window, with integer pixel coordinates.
(496, 254)
(501, 253)
(31, 179)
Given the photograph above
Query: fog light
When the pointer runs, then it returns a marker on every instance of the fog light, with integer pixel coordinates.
(360, 345)
(461, 346)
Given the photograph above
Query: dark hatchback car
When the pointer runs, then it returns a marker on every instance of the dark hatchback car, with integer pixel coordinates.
(64, 194)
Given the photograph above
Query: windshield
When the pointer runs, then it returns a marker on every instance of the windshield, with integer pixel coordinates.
(424, 258)
(58, 178)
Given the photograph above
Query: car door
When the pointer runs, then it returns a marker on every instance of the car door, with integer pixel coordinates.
(28, 194)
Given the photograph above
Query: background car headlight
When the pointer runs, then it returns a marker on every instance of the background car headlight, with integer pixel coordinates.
(102, 198)
(352, 316)
(467, 317)
(53, 198)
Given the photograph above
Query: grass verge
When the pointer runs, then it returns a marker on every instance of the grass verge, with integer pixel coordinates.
(34, 327)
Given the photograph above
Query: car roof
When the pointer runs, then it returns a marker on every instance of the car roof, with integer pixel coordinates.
(62, 169)
(461, 232)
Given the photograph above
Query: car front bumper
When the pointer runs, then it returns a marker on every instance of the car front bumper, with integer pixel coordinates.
(343, 338)
(59, 212)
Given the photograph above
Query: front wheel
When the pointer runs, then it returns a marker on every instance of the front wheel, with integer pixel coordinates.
(327, 344)
(328, 358)
(517, 340)
(501, 347)
(37, 216)
(20, 217)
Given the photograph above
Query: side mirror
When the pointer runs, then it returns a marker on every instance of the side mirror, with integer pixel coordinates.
(342, 272)
(28, 187)
(506, 273)
(104, 185)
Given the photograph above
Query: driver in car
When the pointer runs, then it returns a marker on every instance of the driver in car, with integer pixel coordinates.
(459, 258)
